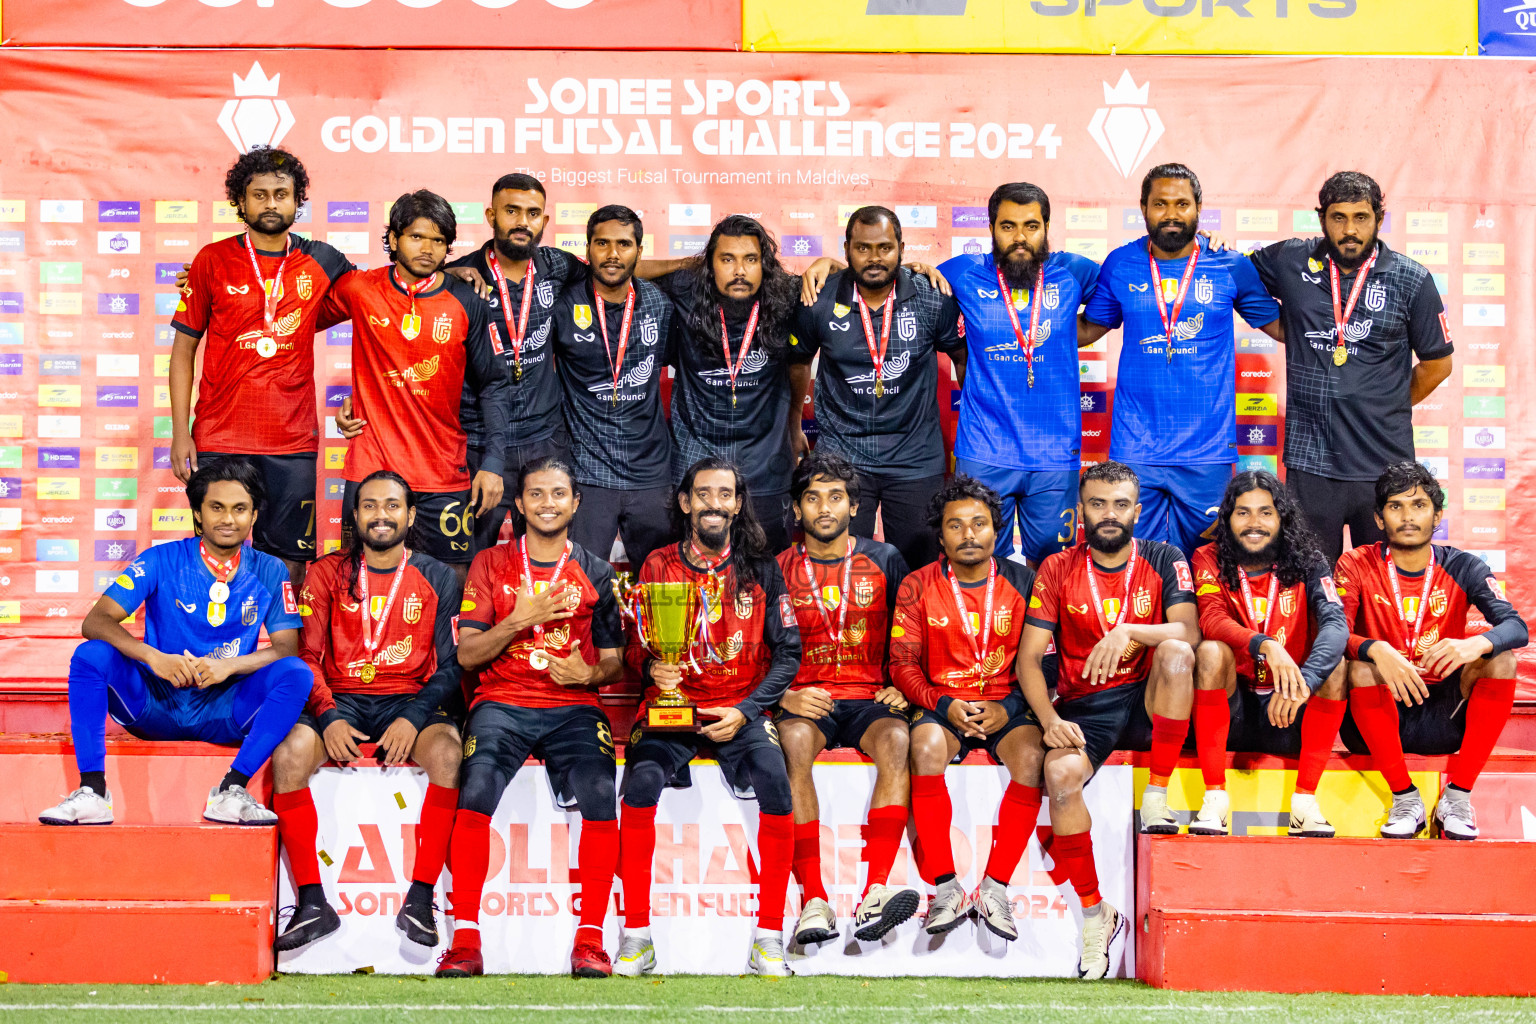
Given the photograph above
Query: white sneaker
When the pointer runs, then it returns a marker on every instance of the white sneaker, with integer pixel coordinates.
(82, 807)
(637, 956)
(1212, 819)
(1156, 818)
(767, 958)
(1405, 819)
(1455, 816)
(995, 910)
(235, 806)
(1099, 933)
(947, 908)
(1307, 817)
(817, 923)
(883, 909)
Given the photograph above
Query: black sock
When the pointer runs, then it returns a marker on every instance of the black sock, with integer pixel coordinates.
(419, 892)
(310, 895)
(1404, 792)
(941, 879)
(1452, 785)
(233, 778)
(94, 781)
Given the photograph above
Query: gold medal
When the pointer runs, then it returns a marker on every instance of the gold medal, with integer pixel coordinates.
(879, 387)
(266, 347)
(368, 673)
(1340, 356)
(733, 398)
(517, 370)
(538, 659)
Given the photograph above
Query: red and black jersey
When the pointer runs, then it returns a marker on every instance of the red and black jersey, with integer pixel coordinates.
(1307, 618)
(253, 399)
(408, 370)
(752, 629)
(417, 652)
(931, 656)
(1063, 603)
(1461, 583)
(855, 668)
(491, 593)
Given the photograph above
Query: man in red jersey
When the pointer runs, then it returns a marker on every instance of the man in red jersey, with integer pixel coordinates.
(417, 336)
(954, 648)
(1414, 641)
(255, 298)
(1266, 672)
(540, 623)
(843, 588)
(751, 629)
(378, 636)
(1122, 614)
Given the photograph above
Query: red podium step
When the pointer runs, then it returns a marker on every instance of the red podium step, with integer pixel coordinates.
(1428, 917)
(137, 862)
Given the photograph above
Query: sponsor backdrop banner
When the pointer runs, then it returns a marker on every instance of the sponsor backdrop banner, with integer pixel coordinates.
(1115, 26)
(704, 898)
(550, 24)
(1507, 27)
(124, 183)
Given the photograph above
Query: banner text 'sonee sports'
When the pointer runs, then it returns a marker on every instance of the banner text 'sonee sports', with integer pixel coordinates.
(124, 180)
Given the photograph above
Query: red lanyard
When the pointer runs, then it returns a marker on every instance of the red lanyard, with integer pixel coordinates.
(842, 595)
(522, 547)
(1412, 630)
(1341, 314)
(1171, 324)
(1125, 602)
(977, 650)
(516, 327)
(1026, 342)
(700, 558)
(218, 590)
(877, 357)
(602, 319)
(746, 343)
(1248, 606)
(410, 326)
(373, 637)
(271, 293)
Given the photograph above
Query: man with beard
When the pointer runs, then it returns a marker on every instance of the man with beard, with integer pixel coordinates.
(954, 653)
(1356, 315)
(418, 335)
(1121, 612)
(735, 305)
(612, 337)
(843, 589)
(1021, 423)
(540, 624)
(750, 627)
(1414, 641)
(256, 298)
(378, 636)
(1267, 677)
(879, 328)
(1175, 409)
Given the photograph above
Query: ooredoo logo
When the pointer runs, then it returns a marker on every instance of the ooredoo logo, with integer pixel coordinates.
(255, 117)
(1126, 128)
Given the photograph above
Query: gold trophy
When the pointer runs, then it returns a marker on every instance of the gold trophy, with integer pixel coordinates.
(667, 618)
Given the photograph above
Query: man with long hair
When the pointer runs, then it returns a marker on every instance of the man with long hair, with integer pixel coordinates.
(1267, 676)
(749, 653)
(378, 638)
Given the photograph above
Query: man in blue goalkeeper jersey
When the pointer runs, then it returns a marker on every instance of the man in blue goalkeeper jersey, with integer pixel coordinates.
(1175, 400)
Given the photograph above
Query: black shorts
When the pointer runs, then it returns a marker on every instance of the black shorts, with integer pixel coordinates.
(445, 523)
(372, 713)
(503, 736)
(673, 750)
(1111, 719)
(922, 716)
(487, 528)
(1434, 728)
(285, 526)
(846, 724)
(1251, 731)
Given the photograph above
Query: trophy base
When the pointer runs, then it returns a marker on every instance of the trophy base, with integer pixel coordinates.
(669, 718)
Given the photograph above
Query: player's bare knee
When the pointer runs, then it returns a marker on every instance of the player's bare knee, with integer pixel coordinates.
(1361, 674)
(294, 760)
(929, 753)
(1336, 686)
(1501, 666)
(1063, 778)
(890, 746)
(1212, 659)
(1175, 658)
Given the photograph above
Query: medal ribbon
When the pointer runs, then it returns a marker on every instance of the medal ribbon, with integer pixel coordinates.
(269, 296)
(1253, 613)
(842, 614)
(876, 357)
(522, 547)
(1125, 602)
(746, 343)
(1026, 342)
(372, 637)
(979, 651)
(1341, 314)
(517, 328)
(1414, 629)
(222, 571)
(602, 320)
(1171, 324)
(413, 290)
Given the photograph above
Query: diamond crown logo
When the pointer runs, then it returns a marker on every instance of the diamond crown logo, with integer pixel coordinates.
(255, 117)
(1125, 128)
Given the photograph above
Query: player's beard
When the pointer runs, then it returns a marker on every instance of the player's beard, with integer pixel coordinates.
(1173, 235)
(1106, 543)
(877, 275)
(737, 309)
(1269, 554)
(395, 538)
(269, 222)
(1021, 264)
(713, 537)
(826, 534)
(514, 250)
(1350, 263)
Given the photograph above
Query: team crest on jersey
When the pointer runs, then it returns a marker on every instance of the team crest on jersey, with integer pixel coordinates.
(1141, 604)
(649, 333)
(305, 286)
(410, 326)
(864, 593)
(716, 609)
(1288, 603)
(1170, 289)
(248, 612)
(1050, 297)
(545, 293)
(412, 609)
(469, 746)
(1204, 290)
(906, 325)
(1111, 608)
(1437, 602)
(839, 310)
(215, 613)
(442, 328)
(1410, 608)
(583, 316)
(744, 605)
(974, 618)
(1002, 621)
(1261, 607)
(1375, 297)
(832, 595)
(376, 606)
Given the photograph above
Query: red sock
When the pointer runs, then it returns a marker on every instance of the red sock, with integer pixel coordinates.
(808, 860)
(1015, 824)
(432, 833)
(932, 813)
(1319, 728)
(1376, 717)
(471, 852)
(882, 840)
(1167, 739)
(1213, 723)
(1487, 710)
(299, 828)
(637, 848)
(775, 853)
(597, 854)
(1075, 854)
